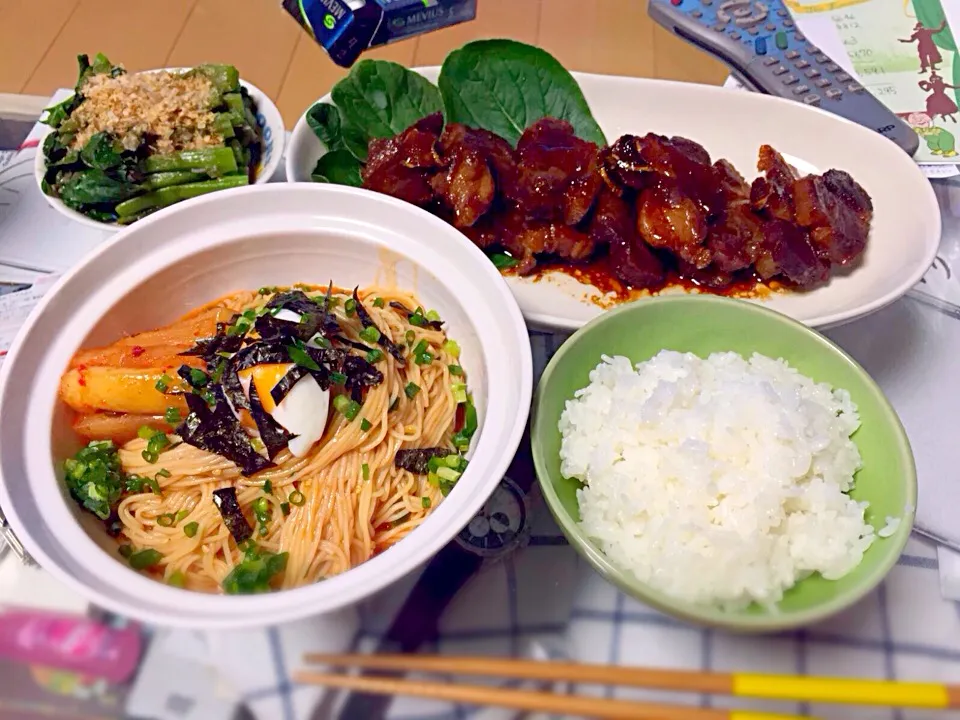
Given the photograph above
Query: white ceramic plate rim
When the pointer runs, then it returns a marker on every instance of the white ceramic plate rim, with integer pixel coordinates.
(272, 121)
(501, 431)
(906, 173)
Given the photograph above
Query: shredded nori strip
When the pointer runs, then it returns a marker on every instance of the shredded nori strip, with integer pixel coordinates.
(360, 374)
(261, 354)
(113, 524)
(274, 436)
(314, 318)
(208, 348)
(352, 343)
(384, 342)
(279, 391)
(416, 461)
(226, 501)
(432, 324)
(232, 388)
(191, 376)
(218, 431)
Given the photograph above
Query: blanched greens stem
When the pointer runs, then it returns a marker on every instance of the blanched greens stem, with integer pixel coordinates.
(169, 195)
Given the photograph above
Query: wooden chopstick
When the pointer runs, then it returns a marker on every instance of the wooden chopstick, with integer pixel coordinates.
(773, 687)
(592, 707)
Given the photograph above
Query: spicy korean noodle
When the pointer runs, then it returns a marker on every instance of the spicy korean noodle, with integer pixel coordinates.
(271, 438)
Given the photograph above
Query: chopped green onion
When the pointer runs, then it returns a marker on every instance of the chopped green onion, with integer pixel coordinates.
(163, 472)
(410, 336)
(378, 302)
(190, 529)
(338, 378)
(365, 471)
(416, 318)
(374, 356)
(261, 507)
(370, 334)
(448, 474)
(502, 261)
(150, 457)
(163, 383)
(322, 342)
(157, 441)
(177, 579)
(268, 487)
(455, 370)
(425, 502)
(250, 314)
(145, 432)
(451, 348)
(198, 377)
(125, 551)
(459, 392)
(350, 306)
(144, 559)
(302, 358)
(266, 290)
(172, 416)
(411, 390)
(433, 316)
(165, 520)
(365, 425)
(181, 514)
(424, 358)
(462, 438)
(263, 531)
(420, 348)
(297, 498)
(285, 508)
(353, 409)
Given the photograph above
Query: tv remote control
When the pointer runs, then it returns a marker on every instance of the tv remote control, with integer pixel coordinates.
(763, 47)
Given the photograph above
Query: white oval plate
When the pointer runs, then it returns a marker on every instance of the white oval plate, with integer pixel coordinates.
(733, 125)
(268, 118)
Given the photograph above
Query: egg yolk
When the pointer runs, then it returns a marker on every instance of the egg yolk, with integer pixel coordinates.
(264, 378)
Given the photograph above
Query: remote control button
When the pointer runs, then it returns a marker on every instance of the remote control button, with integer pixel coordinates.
(752, 31)
(723, 16)
(843, 77)
(811, 73)
(697, 14)
(735, 35)
(812, 49)
(781, 12)
(770, 27)
(799, 36)
(770, 60)
(822, 83)
(833, 94)
(854, 88)
(781, 40)
(746, 22)
(779, 70)
(675, 2)
(801, 90)
(719, 28)
(742, 12)
(788, 23)
(791, 54)
(821, 58)
(832, 67)
(760, 47)
(801, 65)
(706, 3)
(791, 80)
(812, 99)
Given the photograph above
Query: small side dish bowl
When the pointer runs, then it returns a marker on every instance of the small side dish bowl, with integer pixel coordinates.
(194, 252)
(704, 325)
(268, 118)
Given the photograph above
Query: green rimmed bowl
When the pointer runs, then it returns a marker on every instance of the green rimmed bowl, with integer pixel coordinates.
(704, 324)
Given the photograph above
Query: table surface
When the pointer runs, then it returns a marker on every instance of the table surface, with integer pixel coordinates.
(527, 593)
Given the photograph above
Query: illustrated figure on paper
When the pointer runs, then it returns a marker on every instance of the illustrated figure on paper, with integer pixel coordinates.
(939, 141)
(927, 49)
(938, 104)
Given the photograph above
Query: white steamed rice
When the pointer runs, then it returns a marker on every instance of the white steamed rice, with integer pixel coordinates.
(720, 481)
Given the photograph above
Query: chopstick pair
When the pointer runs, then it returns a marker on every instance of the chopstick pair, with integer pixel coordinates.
(770, 687)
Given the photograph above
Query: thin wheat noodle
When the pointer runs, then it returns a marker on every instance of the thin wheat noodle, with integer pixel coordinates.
(345, 518)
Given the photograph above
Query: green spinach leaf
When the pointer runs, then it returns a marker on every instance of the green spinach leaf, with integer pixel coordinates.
(339, 167)
(324, 120)
(355, 140)
(383, 98)
(505, 86)
(102, 151)
(93, 187)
